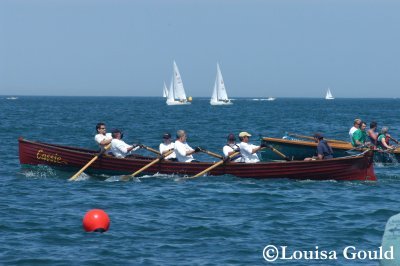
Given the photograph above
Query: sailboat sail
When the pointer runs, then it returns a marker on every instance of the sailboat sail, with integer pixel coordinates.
(219, 96)
(165, 91)
(329, 95)
(214, 97)
(222, 95)
(179, 90)
(176, 92)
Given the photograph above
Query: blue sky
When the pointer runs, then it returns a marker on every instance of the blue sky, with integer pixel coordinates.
(279, 48)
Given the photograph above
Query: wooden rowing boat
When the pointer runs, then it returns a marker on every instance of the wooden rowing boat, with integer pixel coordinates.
(300, 149)
(357, 167)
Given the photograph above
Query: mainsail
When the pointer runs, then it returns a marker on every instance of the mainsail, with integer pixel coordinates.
(179, 91)
(219, 96)
(329, 95)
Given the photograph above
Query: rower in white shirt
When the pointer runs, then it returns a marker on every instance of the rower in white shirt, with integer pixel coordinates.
(231, 147)
(182, 150)
(248, 151)
(166, 146)
(118, 147)
(356, 125)
(102, 138)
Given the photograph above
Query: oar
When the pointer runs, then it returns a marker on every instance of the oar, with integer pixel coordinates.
(127, 177)
(358, 148)
(276, 151)
(215, 165)
(89, 163)
(212, 154)
(395, 140)
(150, 149)
(312, 138)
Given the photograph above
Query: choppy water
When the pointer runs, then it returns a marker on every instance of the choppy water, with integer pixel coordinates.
(168, 220)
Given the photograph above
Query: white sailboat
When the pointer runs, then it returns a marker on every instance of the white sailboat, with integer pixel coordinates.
(219, 96)
(176, 93)
(329, 95)
(165, 91)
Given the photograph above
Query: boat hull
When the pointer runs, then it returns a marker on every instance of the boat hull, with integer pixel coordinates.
(220, 103)
(358, 167)
(178, 103)
(299, 149)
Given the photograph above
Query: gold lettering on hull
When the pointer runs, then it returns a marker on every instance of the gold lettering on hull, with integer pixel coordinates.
(48, 157)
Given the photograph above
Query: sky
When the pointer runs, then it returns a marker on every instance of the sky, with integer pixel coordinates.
(280, 48)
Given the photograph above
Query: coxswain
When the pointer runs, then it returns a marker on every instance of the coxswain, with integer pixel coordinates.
(324, 150)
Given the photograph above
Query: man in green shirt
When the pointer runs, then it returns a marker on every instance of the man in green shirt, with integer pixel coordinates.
(359, 136)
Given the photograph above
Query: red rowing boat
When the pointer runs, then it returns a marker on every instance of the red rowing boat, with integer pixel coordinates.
(358, 167)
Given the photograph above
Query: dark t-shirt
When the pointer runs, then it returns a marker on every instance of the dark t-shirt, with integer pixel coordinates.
(324, 149)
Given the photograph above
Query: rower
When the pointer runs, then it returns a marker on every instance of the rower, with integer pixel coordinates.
(372, 134)
(360, 136)
(231, 147)
(248, 151)
(166, 146)
(356, 125)
(383, 139)
(102, 138)
(118, 147)
(184, 153)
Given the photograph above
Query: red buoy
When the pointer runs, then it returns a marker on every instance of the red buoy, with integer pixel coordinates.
(96, 220)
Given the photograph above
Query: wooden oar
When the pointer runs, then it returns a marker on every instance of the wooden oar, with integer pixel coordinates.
(150, 149)
(312, 138)
(127, 177)
(277, 152)
(75, 176)
(212, 154)
(215, 165)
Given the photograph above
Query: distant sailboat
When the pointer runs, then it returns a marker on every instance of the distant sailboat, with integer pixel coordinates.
(329, 95)
(165, 91)
(219, 96)
(176, 93)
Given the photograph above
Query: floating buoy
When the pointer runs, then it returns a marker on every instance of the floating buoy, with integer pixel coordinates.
(96, 220)
(189, 99)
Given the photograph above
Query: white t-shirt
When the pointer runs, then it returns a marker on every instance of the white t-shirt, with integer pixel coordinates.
(120, 149)
(100, 137)
(245, 151)
(351, 132)
(164, 148)
(228, 148)
(180, 150)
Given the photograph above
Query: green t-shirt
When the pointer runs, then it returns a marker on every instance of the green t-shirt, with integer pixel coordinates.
(359, 135)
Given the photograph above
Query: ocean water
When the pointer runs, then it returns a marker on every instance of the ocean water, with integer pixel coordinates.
(169, 220)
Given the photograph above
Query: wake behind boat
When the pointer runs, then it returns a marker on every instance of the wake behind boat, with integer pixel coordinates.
(176, 94)
(219, 96)
(357, 167)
